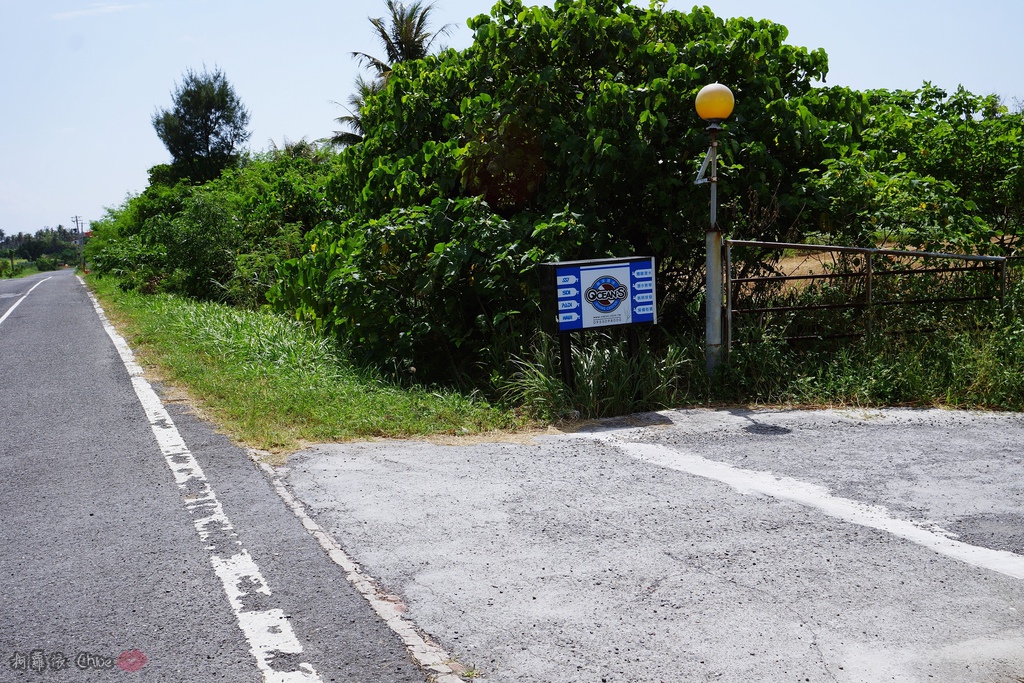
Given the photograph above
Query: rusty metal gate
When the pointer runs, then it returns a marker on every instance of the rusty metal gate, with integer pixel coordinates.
(853, 288)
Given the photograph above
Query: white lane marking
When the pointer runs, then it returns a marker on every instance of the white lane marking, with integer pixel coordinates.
(426, 653)
(267, 631)
(819, 497)
(15, 304)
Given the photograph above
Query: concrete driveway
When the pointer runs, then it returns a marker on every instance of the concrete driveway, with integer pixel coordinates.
(700, 545)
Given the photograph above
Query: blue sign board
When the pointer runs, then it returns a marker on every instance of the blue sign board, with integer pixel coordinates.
(581, 295)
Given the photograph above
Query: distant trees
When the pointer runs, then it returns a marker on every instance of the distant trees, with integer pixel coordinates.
(56, 243)
(205, 127)
(405, 36)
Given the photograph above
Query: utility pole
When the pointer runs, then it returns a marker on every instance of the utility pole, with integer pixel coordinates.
(80, 229)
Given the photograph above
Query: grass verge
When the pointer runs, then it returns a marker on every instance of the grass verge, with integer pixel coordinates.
(271, 384)
(22, 269)
(954, 365)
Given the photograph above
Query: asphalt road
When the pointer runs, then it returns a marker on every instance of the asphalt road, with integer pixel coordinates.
(139, 544)
(111, 570)
(734, 546)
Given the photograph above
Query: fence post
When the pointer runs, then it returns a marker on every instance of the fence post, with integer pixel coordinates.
(565, 351)
(728, 296)
(869, 264)
(1002, 282)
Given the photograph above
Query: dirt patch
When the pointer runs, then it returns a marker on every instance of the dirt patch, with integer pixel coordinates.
(524, 437)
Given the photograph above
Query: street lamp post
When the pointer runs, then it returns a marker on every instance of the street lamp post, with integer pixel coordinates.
(714, 104)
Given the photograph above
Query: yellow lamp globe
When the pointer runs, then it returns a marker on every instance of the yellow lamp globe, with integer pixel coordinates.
(715, 102)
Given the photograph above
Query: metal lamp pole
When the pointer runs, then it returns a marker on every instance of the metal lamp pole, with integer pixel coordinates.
(714, 104)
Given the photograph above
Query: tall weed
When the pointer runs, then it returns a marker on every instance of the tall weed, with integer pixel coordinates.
(609, 378)
(954, 365)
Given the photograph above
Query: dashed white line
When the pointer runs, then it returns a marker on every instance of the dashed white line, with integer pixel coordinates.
(267, 631)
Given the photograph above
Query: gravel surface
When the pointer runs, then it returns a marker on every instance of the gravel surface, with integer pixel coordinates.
(658, 549)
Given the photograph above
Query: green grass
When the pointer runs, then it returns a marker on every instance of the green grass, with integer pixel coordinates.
(955, 365)
(950, 367)
(271, 384)
(24, 269)
(609, 381)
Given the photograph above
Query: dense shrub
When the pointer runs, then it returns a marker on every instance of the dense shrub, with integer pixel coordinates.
(569, 132)
(44, 264)
(7, 270)
(561, 132)
(437, 287)
(222, 240)
(928, 170)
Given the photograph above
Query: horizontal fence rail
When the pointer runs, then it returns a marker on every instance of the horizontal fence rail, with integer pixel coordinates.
(865, 274)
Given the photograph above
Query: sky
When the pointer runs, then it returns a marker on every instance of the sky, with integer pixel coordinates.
(80, 80)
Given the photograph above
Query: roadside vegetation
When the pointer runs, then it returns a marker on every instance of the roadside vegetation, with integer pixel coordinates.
(17, 268)
(273, 384)
(953, 366)
(409, 242)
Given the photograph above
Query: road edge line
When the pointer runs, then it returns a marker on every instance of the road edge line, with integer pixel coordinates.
(268, 631)
(428, 654)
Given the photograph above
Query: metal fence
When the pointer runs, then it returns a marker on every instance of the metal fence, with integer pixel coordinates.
(855, 289)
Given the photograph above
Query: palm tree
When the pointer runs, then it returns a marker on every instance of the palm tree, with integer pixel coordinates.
(354, 120)
(405, 37)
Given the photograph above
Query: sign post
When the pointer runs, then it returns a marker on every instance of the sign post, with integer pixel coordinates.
(593, 294)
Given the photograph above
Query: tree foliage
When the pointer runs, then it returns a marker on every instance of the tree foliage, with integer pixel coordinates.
(353, 121)
(565, 132)
(405, 36)
(931, 170)
(55, 244)
(222, 240)
(578, 115)
(205, 127)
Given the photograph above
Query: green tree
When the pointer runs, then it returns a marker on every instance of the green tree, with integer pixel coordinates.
(220, 240)
(562, 132)
(205, 127)
(588, 107)
(58, 244)
(405, 37)
(932, 170)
